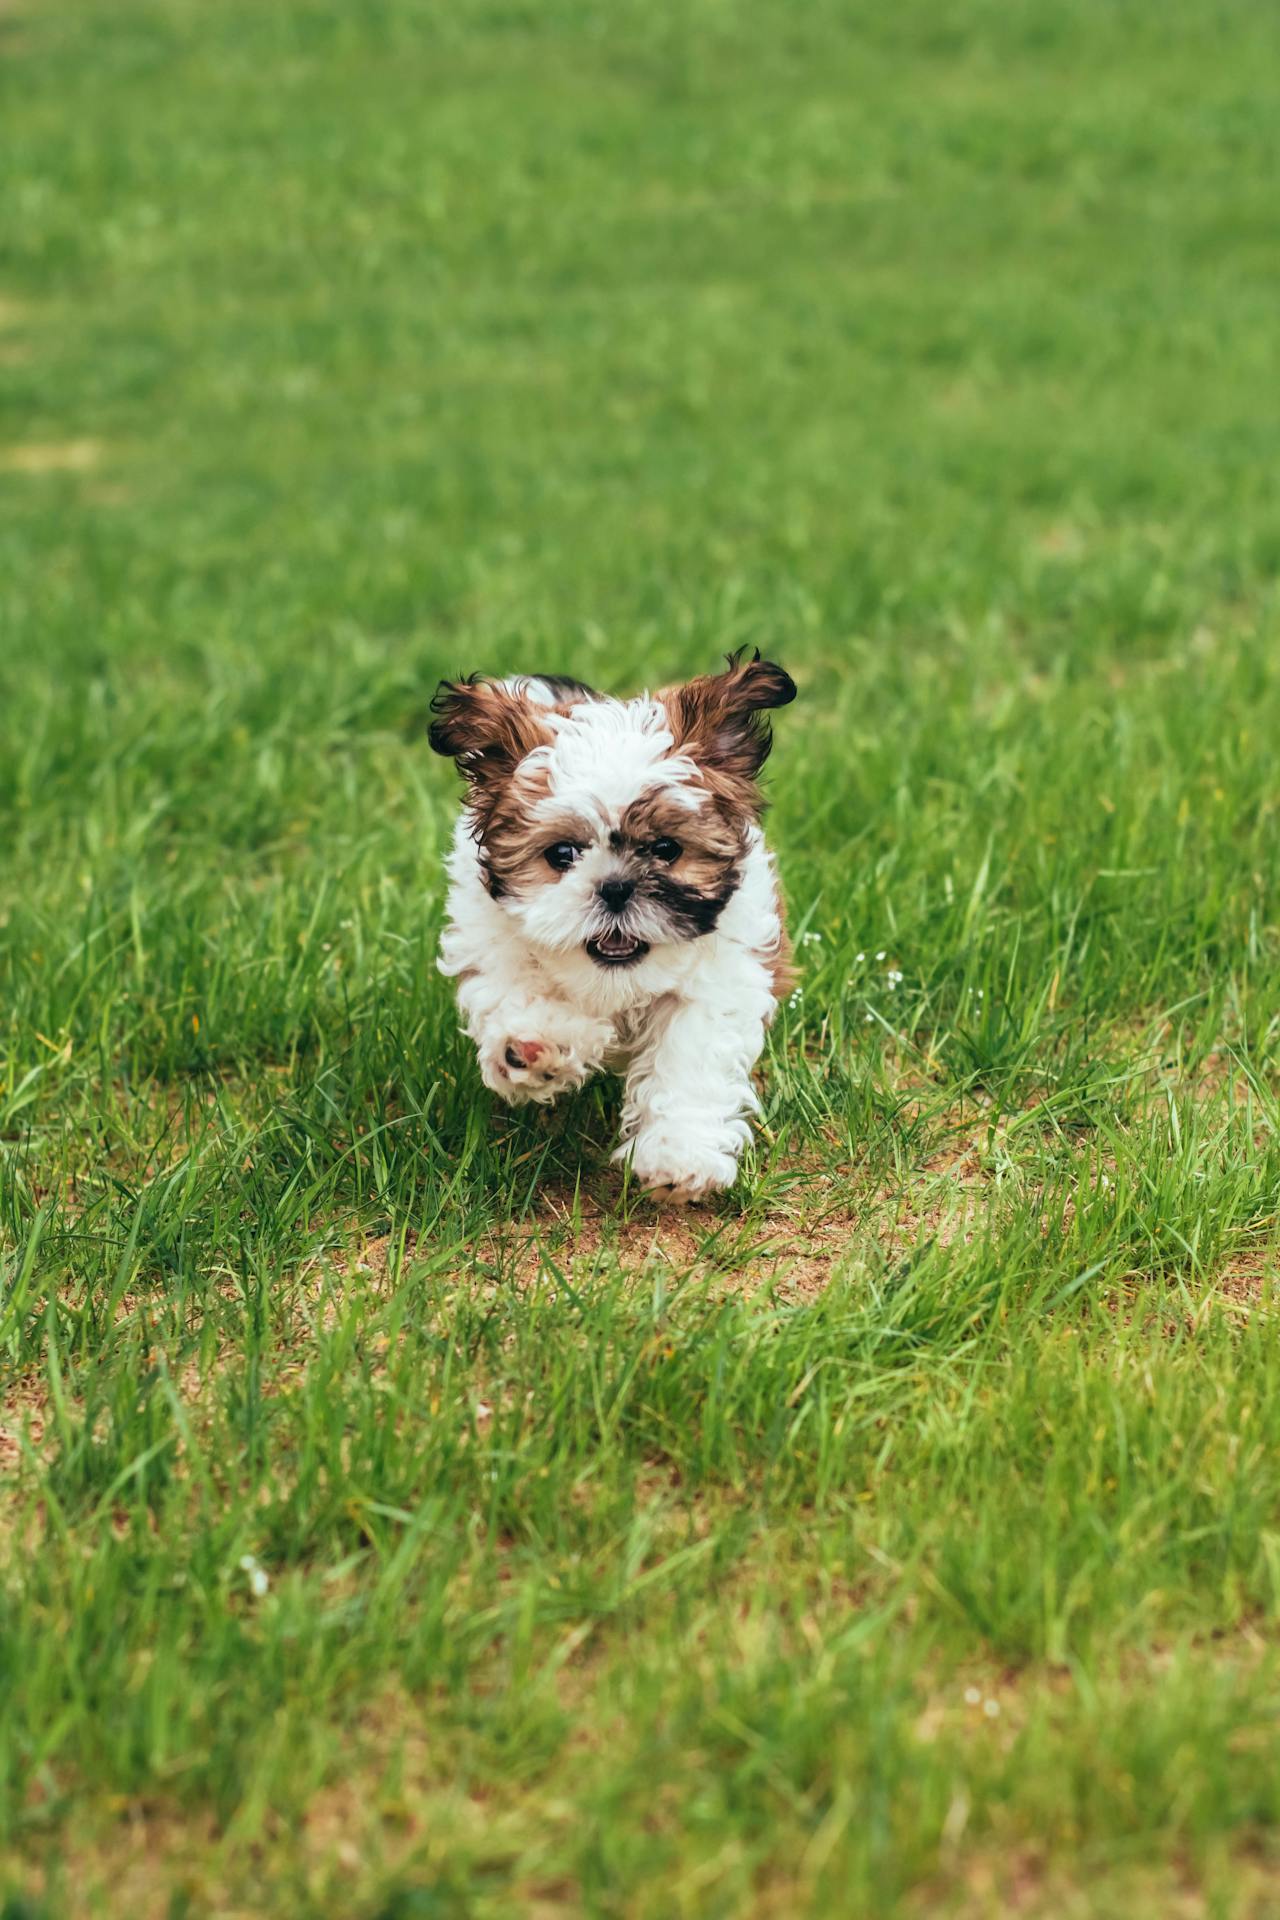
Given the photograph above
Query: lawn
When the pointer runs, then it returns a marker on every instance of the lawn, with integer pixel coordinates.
(399, 1517)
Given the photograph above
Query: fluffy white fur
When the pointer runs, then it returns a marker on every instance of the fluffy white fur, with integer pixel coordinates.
(685, 1024)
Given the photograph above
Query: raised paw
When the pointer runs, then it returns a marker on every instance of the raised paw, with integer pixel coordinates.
(541, 1070)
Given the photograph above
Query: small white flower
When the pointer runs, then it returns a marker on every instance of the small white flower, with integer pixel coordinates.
(258, 1577)
(860, 956)
(972, 1696)
(880, 955)
(811, 939)
(483, 1410)
(867, 1018)
(992, 1709)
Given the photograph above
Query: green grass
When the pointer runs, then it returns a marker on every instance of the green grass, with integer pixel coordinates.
(901, 1536)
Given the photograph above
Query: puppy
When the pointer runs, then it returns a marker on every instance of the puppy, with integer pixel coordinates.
(612, 902)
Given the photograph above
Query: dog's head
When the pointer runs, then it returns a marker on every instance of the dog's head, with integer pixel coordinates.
(612, 826)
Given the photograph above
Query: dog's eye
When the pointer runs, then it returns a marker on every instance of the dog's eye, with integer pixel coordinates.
(562, 855)
(666, 850)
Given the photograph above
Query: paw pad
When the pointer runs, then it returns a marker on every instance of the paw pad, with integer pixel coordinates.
(540, 1070)
(524, 1053)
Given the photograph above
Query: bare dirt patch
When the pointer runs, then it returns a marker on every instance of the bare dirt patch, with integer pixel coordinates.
(142, 1864)
(1249, 1281)
(23, 1413)
(793, 1249)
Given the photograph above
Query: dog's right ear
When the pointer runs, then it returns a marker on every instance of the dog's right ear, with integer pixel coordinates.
(485, 727)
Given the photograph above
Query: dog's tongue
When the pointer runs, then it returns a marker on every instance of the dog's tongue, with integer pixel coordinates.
(615, 941)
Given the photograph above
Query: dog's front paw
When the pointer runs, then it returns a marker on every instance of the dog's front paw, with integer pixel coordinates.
(677, 1170)
(519, 1069)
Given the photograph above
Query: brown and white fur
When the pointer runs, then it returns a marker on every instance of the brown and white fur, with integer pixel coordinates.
(612, 903)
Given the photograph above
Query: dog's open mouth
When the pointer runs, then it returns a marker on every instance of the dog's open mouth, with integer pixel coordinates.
(617, 949)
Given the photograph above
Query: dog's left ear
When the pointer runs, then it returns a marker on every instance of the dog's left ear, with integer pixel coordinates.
(486, 727)
(719, 719)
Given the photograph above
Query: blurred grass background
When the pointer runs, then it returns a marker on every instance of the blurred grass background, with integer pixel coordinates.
(901, 1536)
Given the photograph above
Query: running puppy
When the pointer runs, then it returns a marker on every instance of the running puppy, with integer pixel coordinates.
(612, 902)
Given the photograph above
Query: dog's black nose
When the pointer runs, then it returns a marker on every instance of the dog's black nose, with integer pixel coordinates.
(616, 893)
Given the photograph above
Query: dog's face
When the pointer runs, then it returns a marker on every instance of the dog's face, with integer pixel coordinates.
(616, 827)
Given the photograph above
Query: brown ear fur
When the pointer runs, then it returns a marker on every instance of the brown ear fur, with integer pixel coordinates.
(719, 721)
(485, 727)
